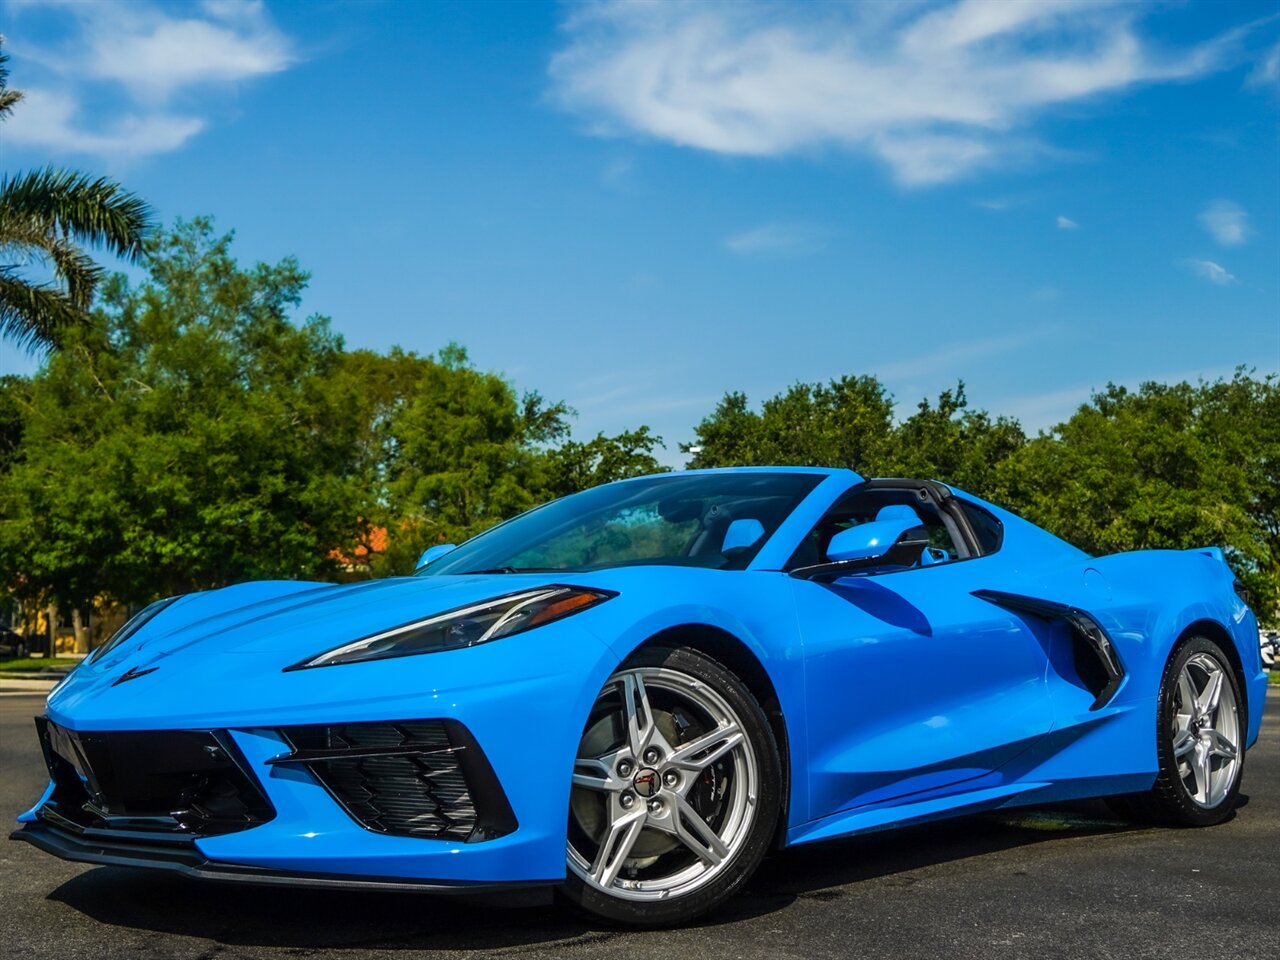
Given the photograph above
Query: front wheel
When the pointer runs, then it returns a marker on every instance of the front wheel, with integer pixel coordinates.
(675, 791)
(1199, 741)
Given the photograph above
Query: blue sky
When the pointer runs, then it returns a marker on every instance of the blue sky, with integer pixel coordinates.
(636, 207)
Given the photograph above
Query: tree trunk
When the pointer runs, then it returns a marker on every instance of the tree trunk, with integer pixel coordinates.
(52, 613)
(82, 634)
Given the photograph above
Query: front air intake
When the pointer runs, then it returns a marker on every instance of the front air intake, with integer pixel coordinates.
(149, 784)
(411, 778)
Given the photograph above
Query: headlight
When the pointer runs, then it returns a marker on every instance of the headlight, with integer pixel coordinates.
(132, 626)
(466, 626)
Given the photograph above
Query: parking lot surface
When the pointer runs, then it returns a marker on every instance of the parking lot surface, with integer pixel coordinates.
(1061, 882)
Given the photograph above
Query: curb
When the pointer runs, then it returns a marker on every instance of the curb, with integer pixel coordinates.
(26, 686)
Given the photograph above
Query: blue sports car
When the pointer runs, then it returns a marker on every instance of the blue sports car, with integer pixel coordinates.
(634, 693)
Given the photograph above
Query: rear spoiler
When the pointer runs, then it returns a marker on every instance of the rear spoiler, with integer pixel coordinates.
(1213, 553)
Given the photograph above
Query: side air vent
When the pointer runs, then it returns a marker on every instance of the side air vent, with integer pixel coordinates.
(411, 778)
(1096, 660)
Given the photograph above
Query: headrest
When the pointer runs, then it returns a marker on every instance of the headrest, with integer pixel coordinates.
(742, 533)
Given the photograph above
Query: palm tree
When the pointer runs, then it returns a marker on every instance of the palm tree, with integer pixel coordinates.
(48, 217)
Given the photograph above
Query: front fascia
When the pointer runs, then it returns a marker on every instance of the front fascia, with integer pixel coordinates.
(523, 698)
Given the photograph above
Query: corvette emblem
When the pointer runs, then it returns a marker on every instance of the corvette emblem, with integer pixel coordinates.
(646, 782)
(133, 673)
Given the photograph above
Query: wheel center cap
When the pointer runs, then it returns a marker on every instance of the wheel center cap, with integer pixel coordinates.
(646, 782)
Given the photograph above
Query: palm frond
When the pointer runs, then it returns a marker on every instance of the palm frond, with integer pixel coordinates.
(8, 98)
(4, 63)
(95, 212)
(35, 315)
(77, 272)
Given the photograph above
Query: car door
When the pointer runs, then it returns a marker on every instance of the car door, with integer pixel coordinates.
(913, 685)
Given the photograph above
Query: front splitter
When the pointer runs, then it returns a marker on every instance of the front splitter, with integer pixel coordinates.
(188, 861)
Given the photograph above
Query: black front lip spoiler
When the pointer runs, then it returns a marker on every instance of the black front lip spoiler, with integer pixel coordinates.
(187, 860)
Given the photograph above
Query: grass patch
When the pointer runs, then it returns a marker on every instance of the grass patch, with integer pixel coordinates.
(36, 664)
(1274, 678)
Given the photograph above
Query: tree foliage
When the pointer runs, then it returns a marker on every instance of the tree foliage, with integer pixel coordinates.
(187, 441)
(846, 423)
(575, 466)
(1166, 466)
(949, 441)
(196, 435)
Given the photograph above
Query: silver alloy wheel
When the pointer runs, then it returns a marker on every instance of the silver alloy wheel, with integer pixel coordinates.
(677, 743)
(1206, 730)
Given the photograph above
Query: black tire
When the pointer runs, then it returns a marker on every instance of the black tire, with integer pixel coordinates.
(1169, 802)
(757, 835)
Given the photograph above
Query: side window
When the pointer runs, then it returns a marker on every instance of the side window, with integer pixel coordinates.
(988, 530)
(942, 545)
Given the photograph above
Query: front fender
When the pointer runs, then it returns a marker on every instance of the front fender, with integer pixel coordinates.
(754, 607)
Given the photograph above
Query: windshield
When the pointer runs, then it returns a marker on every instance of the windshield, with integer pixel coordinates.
(716, 520)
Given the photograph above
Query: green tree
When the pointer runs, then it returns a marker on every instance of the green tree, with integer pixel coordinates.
(575, 466)
(12, 393)
(188, 440)
(465, 450)
(195, 435)
(447, 450)
(950, 442)
(1171, 466)
(47, 218)
(846, 423)
(849, 423)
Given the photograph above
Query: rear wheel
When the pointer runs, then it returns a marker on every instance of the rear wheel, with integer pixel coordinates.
(675, 791)
(1199, 741)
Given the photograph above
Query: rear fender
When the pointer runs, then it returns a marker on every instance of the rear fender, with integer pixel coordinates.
(1148, 600)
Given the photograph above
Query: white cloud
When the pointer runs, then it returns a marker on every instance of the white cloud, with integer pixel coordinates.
(952, 360)
(169, 55)
(151, 57)
(1267, 70)
(598, 408)
(617, 172)
(50, 120)
(1226, 222)
(776, 238)
(934, 92)
(1213, 272)
(1066, 223)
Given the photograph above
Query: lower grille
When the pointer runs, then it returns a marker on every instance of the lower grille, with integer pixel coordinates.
(414, 778)
(146, 784)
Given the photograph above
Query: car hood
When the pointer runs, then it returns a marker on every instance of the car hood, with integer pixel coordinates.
(290, 620)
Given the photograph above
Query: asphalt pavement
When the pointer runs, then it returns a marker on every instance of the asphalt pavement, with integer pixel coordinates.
(1062, 882)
